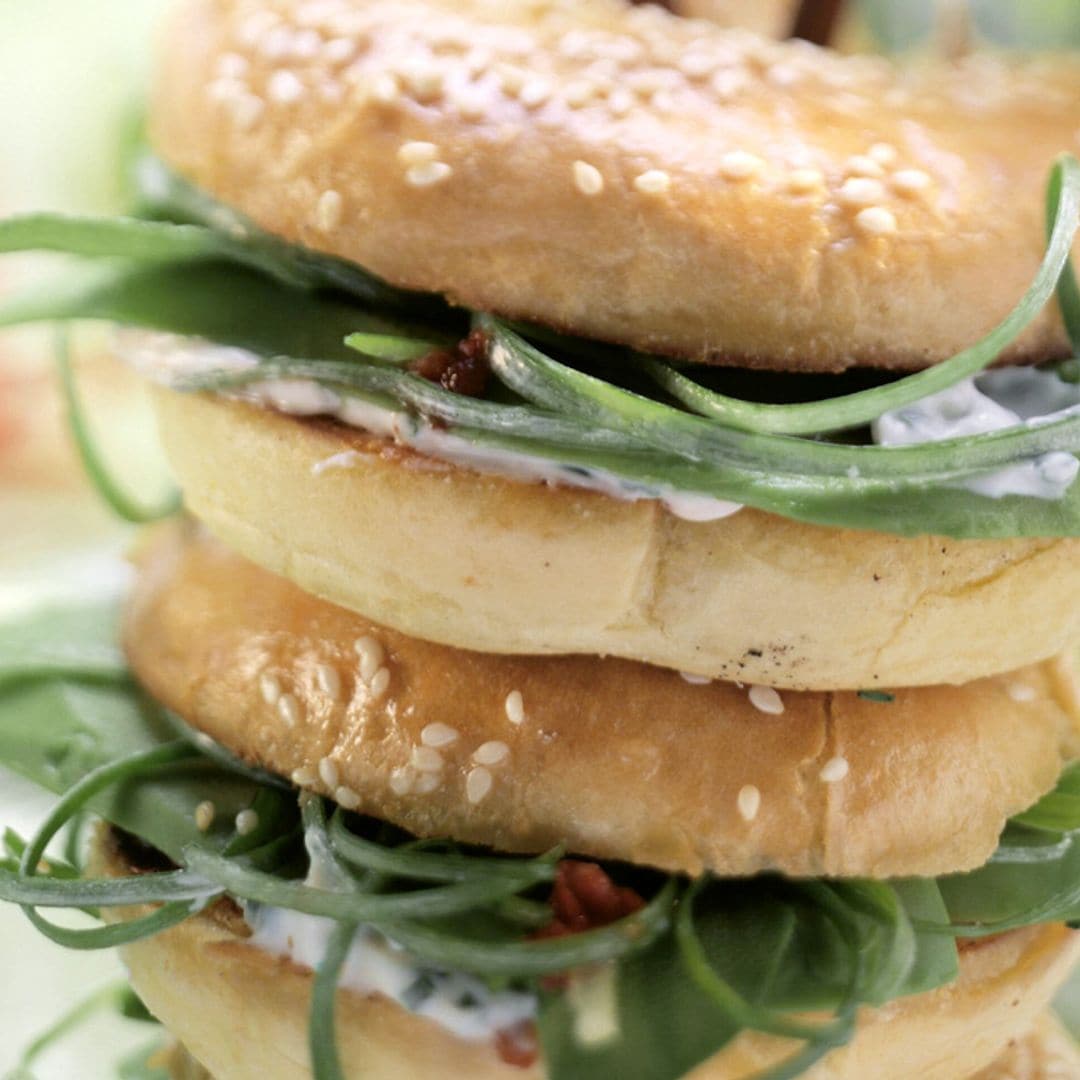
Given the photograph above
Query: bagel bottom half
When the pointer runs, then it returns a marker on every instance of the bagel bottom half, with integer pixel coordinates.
(614, 759)
(243, 1013)
(1046, 1052)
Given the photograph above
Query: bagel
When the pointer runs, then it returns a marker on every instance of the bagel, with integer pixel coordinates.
(491, 563)
(616, 760)
(242, 1012)
(624, 174)
(1046, 1052)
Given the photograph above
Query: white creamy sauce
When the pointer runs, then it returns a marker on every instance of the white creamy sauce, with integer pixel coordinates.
(375, 965)
(166, 359)
(461, 1003)
(993, 401)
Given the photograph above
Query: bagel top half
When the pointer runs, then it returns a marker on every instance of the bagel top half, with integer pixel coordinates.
(622, 173)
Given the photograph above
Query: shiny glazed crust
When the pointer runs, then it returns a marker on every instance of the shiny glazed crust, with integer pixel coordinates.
(498, 565)
(625, 174)
(243, 1013)
(615, 759)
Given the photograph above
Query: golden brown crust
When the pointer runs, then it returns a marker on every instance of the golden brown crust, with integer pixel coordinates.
(540, 125)
(495, 564)
(616, 759)
(243, 1014)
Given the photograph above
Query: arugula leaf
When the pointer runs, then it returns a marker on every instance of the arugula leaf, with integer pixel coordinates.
(56, 731)
(71, 640)
(218, 301)
(775, 944)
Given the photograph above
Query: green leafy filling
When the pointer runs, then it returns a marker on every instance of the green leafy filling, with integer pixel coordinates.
(189, 266)
(699, 963)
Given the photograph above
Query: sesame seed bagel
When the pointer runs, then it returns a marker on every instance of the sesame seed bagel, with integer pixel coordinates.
(1046, 1052)
(495, 564)
(615, 759)
(622, 173)
(243, 1013)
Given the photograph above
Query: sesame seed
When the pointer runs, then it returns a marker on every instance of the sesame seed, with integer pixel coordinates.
(579, 93)
(371, 655)
(911, 181)
(385, 89)
(765, 699)
(438, 735)
(429, 174)
(783, 75)
(876, 221)
(620, 102)
(329, 680)
(470, 102)
(587, 178)
(748, 802)
(534, 93)
(515, 707)
(426, 759)
(1021, 692)
(380, 683)
(864, 165)
(511, 78)
(246, 111)
(339, 51)
(653, 182)
(861, 191)
(247, 821)
(305, 776)
(883, 153)
(694, 680)
(834, 769)
(204, 815)
(740, 165)
(270, 688)
(427, 782)
(328, 212)
(401, 780)
(328, 773)
(425, 81)
(232, 66)
(346, 797)
(417, 153)
(696, 65)
(478, 784)
(726, 83)
(804, 180)
(285, 88)
(491, 753)
(663, 101)
(289, 710)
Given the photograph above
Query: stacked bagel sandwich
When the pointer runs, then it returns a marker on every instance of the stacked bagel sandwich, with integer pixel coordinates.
(621, 622)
